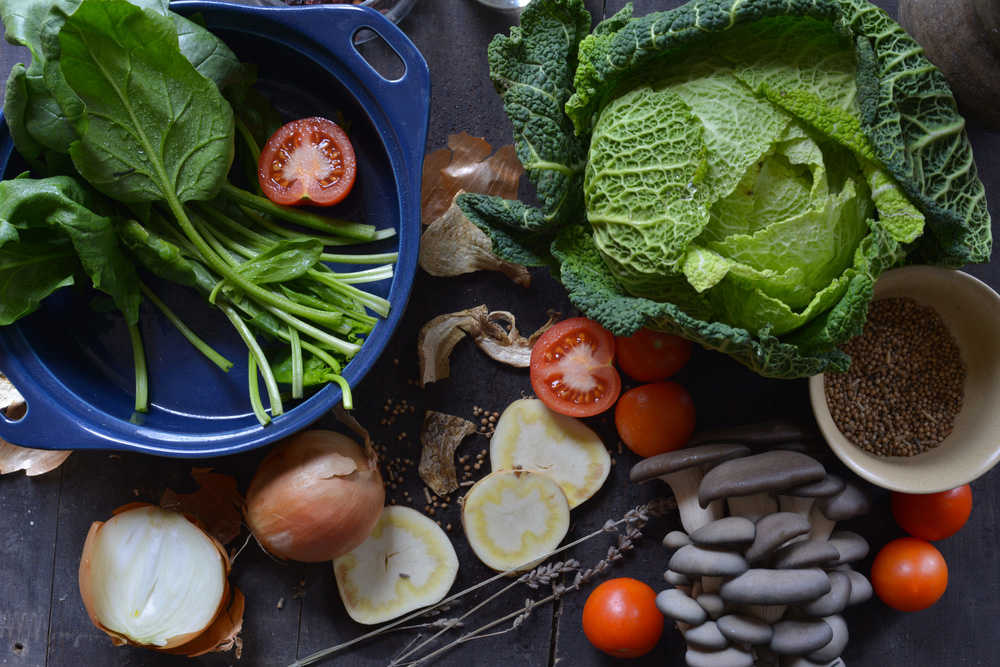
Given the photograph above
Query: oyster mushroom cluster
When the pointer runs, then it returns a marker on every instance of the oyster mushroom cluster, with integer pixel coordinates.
(759, 573)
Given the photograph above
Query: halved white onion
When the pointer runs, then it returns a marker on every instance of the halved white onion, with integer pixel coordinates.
(152, 577)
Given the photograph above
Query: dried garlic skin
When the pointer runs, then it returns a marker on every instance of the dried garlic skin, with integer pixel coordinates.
(406, 563)
(530, 436)
(514, 518)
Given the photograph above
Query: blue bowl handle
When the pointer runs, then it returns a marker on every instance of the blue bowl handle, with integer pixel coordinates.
(399, 99)
(47, 425)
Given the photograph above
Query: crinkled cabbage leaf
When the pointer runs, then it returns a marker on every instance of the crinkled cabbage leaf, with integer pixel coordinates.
(751, 168)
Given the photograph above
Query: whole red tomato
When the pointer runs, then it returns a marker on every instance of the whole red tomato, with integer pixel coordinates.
(933, 516)
(655, 418)
(909, 574)
(621, 619)
(649, 356)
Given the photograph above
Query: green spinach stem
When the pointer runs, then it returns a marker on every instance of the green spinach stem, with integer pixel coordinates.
(185, 331)
(141, 374)
(351, 230)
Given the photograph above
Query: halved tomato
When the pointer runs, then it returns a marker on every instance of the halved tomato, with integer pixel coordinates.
(307, 161)
(571, 369)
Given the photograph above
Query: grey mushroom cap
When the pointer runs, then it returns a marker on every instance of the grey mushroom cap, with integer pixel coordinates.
(847, 504)
(767, 587)
(741, 629)
(807, 553)
(833, 602)
(681, 459)
(769, 472)
(713, 604)
(676, 578)
(675, 605)
(851, 546)
(730, 657)
(828, 486)
(730, 531)
(695, 560)
(861, 588)
(676, 539)
(706, 637)
(773, 531)
(793, 637)
(836, 645)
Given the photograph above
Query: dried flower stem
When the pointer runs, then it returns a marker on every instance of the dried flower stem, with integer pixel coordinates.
(541, 575)
(635, 520)
(642, 513)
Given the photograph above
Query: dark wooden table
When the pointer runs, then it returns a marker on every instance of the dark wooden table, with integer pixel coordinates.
(294, 610)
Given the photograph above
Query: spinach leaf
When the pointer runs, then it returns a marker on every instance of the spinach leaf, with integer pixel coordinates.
(284, 261)
(157, 254)
(153, 127)
(62, 204)
(33, 265)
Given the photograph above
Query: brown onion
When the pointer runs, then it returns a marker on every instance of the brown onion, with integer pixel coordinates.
(316, 496)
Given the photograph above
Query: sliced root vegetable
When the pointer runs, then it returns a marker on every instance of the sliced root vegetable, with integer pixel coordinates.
(152, 577)
(513, 518)
(12, 457)
(530, 436)
(406, 563)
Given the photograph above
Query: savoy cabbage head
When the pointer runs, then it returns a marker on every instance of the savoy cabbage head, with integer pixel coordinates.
(737, 172)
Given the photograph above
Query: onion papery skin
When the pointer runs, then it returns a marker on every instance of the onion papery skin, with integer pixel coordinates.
(315, 497)
(94, 579)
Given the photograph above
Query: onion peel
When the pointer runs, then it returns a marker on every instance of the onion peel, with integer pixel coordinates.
(216, 504)
(466, 164)
(440, 436)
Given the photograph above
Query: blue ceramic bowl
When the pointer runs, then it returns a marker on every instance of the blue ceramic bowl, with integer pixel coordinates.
(73, 365)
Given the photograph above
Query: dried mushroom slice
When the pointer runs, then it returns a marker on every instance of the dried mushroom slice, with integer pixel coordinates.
(514, 518)
(530, 436)
(406, 563)
(440, 436)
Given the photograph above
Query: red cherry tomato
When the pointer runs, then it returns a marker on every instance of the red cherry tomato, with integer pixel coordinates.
(620, 618)
(571, 369)
(933, 516)
(909, 574)
(649, 356)
(307, 161)
(655, 418)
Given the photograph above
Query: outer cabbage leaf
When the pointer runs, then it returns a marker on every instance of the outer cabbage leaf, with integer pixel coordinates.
(532, 69)
(908, 113)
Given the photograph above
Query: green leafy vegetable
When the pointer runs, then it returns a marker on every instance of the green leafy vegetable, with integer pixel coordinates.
(751, 168)
(127, 103)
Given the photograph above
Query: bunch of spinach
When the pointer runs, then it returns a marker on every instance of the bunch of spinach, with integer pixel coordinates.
(123, 117)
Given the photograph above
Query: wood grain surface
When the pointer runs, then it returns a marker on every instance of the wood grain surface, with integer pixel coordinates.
(294, 609)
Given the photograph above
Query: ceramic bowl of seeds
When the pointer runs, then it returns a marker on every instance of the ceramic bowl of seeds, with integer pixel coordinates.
(919, 409)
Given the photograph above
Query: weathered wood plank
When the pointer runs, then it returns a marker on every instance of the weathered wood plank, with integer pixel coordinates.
(28, 524)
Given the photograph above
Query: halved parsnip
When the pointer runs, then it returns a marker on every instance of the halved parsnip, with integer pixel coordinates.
(512, 518)
(406, 563)
(530, 436)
